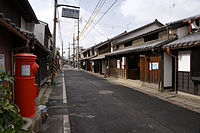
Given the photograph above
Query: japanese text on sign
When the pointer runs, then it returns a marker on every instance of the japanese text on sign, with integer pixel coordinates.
(70, 13)
(26, 70)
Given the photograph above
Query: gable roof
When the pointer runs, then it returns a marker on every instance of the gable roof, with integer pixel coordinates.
(147, 25)
(144, 47)
(137, 32)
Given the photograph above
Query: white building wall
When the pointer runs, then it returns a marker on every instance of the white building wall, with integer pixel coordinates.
(39, 32)
(183, 31)
(167, 70)
(27, 26)
(104, 67)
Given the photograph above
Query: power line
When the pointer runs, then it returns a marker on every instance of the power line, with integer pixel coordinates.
(87, 25)
(101, 17)
(100, 33)
(91, 15)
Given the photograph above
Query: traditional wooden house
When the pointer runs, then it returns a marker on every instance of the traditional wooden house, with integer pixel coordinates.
(18, 23)
(181, 60)
(15, 18)
(43, 48)
(137, 54)
(100, 62)
(87, 54)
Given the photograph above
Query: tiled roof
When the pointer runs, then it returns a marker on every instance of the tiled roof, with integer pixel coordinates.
(183, 20)
(26, 34)
(100, 57)
(189, 40)
(101, 44)
(87, 58)
(143, 47)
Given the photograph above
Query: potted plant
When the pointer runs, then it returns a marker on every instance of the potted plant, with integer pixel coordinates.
(10, 119)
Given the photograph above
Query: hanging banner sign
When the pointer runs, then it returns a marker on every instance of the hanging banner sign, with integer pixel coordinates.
(70, 13)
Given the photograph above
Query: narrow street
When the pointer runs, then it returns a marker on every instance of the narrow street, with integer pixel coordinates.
(98, 106)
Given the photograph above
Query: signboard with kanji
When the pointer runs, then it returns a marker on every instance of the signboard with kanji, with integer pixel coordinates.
(70, 13)
(2, 63)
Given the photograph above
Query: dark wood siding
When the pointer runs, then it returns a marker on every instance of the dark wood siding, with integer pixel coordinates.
(10, 11)
(5, 48)
(186, 84)
(117, 72)
(147, 75)
(104, 49)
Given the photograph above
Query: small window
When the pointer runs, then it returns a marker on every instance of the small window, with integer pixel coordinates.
(151, 37)
(184, 61)
(127, 44)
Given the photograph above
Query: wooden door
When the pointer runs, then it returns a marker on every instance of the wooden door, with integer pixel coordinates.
(142, 68)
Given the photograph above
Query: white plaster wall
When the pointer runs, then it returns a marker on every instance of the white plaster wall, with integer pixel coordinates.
(39, 32)
(23, 24)
(27, 26)
(104, 67)
(183, 31)
(167, 70)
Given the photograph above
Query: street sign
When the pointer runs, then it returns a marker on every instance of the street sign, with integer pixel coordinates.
(70, 13)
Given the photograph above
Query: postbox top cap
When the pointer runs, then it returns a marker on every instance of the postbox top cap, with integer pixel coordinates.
(25, 55)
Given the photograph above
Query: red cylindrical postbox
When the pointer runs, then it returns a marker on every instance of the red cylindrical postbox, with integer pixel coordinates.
(25, 87)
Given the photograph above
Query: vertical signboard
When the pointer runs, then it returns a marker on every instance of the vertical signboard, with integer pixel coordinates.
(123, 62)
(118, 63)
(2, 63)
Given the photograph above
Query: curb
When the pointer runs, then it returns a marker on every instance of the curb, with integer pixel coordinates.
(166, 96)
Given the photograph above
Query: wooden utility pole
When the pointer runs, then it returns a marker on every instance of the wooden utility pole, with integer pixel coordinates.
(78, 46)
(54, 63)
(73, 49)
(69, 54)
(62, 52)
(54, 28)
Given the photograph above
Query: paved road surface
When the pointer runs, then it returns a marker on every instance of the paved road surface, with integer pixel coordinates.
(98, 106)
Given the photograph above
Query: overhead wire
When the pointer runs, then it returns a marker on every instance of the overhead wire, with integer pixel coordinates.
(87, 25)
(91, 16)
(101, 18)
(100, 33)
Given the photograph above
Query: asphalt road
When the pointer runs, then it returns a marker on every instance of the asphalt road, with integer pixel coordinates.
(95, 105)
(98, 106)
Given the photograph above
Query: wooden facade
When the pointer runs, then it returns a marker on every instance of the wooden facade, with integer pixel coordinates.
(148, 72)
(117, 72)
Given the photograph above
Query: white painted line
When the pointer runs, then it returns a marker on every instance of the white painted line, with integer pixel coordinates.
(66, 126)
(64, 92)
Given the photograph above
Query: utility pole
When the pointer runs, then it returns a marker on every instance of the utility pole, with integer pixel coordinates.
(54, 29)
(62, 52)
(54, 63)
(78, 46)
(73, 44)
(69, 53)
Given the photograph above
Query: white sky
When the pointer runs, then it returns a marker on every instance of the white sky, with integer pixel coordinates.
(124, 15)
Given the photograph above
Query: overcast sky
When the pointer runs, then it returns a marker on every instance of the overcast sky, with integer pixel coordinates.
(124, 15)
